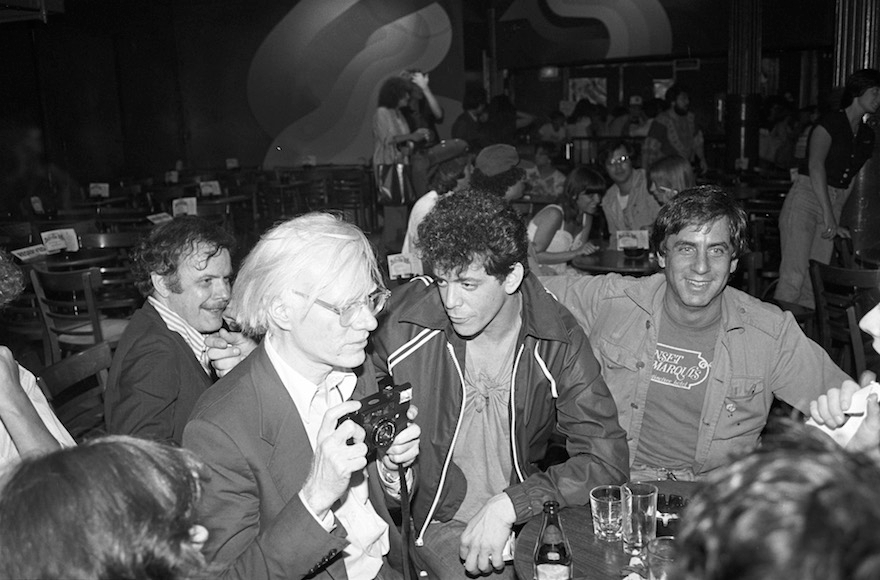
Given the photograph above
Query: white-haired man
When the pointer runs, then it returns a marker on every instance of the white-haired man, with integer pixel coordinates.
(291, 491)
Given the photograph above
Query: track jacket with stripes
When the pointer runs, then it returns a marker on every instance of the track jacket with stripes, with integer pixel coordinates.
(557, 387)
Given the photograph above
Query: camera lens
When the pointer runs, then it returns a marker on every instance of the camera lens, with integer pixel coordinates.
(384, 433)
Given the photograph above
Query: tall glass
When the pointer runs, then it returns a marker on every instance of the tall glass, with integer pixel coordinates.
(639, 516)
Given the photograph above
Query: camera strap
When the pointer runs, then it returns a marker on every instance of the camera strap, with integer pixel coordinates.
(405, 523)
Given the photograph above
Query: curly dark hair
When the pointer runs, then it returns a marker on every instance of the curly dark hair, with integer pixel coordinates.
(11, 279)
(473, 225)
(167, 244)
(392, 90)
(700, 206)
(496, 184)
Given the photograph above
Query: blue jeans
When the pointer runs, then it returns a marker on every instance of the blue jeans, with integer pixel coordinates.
(439, 555)
(800, 231)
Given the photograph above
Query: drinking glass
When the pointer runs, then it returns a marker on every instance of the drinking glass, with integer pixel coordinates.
(606, 506)
(661, 556)
(639, 516)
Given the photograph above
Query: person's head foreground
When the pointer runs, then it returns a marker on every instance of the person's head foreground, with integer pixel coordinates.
(314, 283)
(114, 507)
(11, 279)
(477, 245)
(699, 237)
(800, 508)
(186, 265)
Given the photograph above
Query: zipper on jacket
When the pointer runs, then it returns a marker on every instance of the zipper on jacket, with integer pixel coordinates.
(514, 454)
(420, 538)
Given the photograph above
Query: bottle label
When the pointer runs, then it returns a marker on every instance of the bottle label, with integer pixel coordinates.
(552, 572)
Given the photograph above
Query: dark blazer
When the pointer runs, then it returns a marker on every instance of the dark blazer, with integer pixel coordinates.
(249, 432)
(155, 380)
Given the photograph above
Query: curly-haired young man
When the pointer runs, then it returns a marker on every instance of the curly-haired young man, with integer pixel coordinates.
(497, 367)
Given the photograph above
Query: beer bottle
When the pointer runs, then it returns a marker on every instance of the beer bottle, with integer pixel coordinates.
(552, 551)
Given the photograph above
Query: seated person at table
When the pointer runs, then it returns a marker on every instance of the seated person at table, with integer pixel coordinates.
(544, 180)
(498, 367)
(161, 365)
(692, 363)
(560, 232)
(447, 177)
(27, 423)
(669, 176)
(627, 204)
(799, 508)
(114, 507)
(291, 492)
(498, 170)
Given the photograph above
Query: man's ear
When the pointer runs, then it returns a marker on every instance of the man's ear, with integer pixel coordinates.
(514, 279)
(160, 285)
(661, 260)
(281, 314)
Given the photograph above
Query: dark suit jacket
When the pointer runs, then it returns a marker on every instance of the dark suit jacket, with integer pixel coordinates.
(249, 432)
(155, 380)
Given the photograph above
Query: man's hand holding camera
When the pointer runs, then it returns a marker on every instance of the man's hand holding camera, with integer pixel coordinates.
(339, 452)
(405, 447)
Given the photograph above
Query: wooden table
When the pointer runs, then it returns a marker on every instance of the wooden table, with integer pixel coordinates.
(83, 258)
(608, 260)
(593, 558)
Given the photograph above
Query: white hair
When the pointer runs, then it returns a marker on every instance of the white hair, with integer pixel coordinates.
(308, 254)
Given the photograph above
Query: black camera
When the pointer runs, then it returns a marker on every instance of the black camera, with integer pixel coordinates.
(382, 416)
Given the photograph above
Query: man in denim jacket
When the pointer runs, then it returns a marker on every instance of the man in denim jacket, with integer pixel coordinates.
(694, 365)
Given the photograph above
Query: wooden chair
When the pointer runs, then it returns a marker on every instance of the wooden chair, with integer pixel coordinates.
(836, 291)
(70, 311)
(118, 294)
(352, 194)
(75, 387)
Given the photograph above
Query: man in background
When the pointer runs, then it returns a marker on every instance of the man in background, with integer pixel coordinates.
(161, 364)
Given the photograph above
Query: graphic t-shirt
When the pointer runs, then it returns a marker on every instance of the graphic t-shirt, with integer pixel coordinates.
(682, 364)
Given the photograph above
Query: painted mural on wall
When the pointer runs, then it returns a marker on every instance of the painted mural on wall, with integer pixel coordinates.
(536, 32)
(313, 83)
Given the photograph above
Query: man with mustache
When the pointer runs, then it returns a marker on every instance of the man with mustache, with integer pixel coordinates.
(161, 365)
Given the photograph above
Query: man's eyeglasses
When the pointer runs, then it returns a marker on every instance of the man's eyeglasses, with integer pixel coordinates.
(619, 161)
(374, 302)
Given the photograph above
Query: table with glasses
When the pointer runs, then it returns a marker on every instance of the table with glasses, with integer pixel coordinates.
(593, 558)
(607, 260)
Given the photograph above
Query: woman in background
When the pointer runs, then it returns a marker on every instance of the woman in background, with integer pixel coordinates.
(560, 232)
(391, 146)
(114, 507)
(838, 148)
(669, 176)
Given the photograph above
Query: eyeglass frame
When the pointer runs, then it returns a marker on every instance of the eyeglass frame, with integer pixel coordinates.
(620, 160)
(353, 307)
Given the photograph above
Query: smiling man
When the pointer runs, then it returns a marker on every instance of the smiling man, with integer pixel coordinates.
(161, 365)
(497, 368)
(693, 364)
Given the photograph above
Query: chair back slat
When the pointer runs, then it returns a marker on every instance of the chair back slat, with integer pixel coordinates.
(75, 386)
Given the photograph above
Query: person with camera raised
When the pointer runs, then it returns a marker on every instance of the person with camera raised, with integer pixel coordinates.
(293, 491)
(498, 367)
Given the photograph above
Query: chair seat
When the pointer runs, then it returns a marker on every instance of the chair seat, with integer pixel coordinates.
(111, 328)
